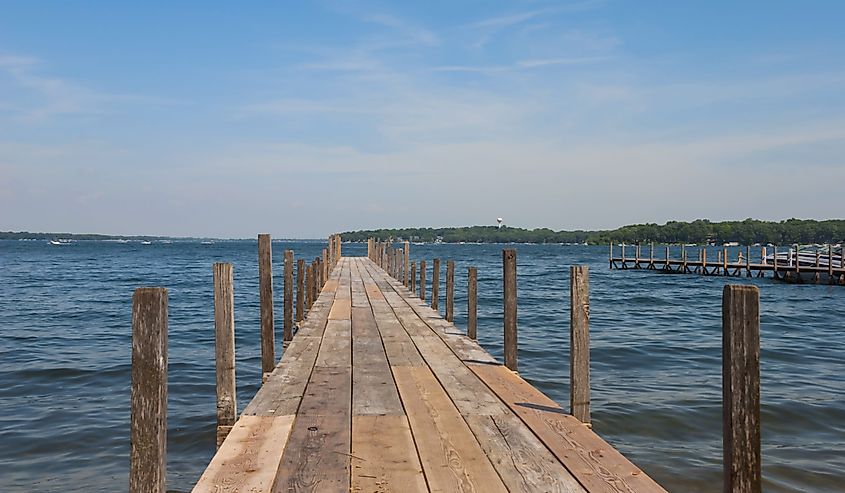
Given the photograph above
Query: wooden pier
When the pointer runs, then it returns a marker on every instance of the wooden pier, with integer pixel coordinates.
(376, 392)
(699, 260)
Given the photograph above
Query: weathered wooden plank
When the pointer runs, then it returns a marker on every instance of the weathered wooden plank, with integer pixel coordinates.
(597, 465)
(317, 455)
(384, 457)
(522, 461)
(249, 458)
(336, 349)
(449, 452)
(283, 391)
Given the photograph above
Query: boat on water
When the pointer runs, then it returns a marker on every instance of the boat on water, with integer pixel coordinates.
(61, 241)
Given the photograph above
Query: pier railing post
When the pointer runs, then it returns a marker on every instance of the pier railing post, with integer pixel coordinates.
(579, 334)
(435, 285)
(224, 350)
(309, 288)
(509, 299)
(287, 332)
(422, 280)
(326, 268)
(413, 277)
(300, 286)
(472, 303)
(265, 289)
(407, 263)
(450, 290)
(148, 419)
(741, 388)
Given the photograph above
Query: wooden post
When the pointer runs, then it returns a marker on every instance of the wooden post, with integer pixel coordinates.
(315, 267)
(775, 261)
(422, 280)
(747, 261)
(684, 258)
(450, 290)
(339, 248)
(309, 286)
(414, 277)
(579, 336)
(324, 275)
(300, 294)
(435, 285)
(148, 419)
(610, 256)
(509, 295)
(725, 262)
(667, 266)
(370, 248)
(704, 260)
(622, 247)
(741, 388)
(224, 350)
(265, 290)
(830, 263)
(472, 303)
(287, 332)
(651, 255)
(407, 263)
(637, 256)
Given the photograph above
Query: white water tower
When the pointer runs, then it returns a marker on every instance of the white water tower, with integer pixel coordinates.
(499, 220)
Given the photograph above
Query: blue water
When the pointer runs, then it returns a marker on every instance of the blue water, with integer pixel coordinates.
(65, 320)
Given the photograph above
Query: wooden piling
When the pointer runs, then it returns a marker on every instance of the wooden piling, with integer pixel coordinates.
(450, 290)
(413, 277)
(422, 280)
(309, 286)
(509, 299)
(407, 263)
(265, 289)
(741, 388)
(287, 331)
(472, 303)
(315, 286)
(148, 417)
(725, 262)
(300, 294)
(579, 334)
(326, 267)
(610, 258)
(830, 264)
(224, 350)
(747, 261)
(435, 285)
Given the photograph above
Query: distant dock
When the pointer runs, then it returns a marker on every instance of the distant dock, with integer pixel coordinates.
(818, 265)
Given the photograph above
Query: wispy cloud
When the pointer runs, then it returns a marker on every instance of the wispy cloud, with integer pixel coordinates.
(512, 19)
(521, 65)
(407, 30)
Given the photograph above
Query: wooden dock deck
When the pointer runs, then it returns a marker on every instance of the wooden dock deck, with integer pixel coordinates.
(376, 392)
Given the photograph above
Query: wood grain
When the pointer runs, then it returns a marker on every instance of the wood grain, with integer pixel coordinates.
(249, 458)
(265, 290)
(579, 348)
(224, 348)
(148, 417)
(384, 457)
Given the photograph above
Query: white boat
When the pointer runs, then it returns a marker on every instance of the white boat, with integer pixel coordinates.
(61, 241)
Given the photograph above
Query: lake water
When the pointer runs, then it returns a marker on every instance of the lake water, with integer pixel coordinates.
(65, 340)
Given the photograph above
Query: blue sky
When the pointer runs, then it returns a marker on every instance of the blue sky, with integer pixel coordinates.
(198, 118)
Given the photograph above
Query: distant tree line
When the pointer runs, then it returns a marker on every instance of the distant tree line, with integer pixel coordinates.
(700, 231)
